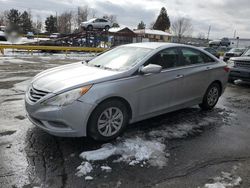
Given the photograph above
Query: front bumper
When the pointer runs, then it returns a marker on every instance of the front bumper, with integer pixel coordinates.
(67, 121)
(239, 73)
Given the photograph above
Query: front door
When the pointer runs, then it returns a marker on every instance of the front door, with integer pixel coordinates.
(157, 92)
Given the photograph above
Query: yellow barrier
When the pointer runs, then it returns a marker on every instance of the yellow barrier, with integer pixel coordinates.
(30, 48)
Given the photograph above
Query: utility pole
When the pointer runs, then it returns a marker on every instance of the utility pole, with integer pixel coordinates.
(208, 33)
(234, 34)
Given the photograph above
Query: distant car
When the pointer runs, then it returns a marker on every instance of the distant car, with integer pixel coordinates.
(2, 36)
(54, 35)
(127, 84)
(30, 35)
(222, 42)
(96, 23)
(234, 52)
(240, 67)
(211, 51)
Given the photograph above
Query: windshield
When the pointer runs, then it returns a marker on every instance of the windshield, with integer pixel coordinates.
(237, 50)
(120, 58)
(247, 53)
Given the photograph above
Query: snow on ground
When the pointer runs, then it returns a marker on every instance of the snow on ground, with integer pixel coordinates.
(131, 151)
(19, 57)
(24, 40)
(148, 149)
(226, 180)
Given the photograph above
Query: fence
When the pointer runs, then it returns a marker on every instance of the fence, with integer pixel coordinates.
(66, 49)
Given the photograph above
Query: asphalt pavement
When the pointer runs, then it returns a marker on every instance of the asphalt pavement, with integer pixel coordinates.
(33, 158)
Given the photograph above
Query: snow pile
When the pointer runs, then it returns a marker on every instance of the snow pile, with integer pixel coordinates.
(132, 151)
(106, 168)
(226, 180)
(84, 169)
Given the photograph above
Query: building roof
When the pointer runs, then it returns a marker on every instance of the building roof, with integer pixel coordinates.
(115, 29)
(122, 31)
(152, 32)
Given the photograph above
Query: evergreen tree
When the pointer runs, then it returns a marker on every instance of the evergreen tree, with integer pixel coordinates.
(13, 16)
(13, 20)
(51, 24)
(141, 25)
(26, 22)
(162, 23)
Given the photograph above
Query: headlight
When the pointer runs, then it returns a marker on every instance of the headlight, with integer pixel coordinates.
(230, 63)
(67, 97)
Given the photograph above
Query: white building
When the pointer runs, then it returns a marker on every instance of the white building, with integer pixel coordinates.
(241, 43)
(151, 35)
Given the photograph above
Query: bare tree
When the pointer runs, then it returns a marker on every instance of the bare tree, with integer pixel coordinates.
(92, 13)
(2, 19)
(112, 18)
(65, 22)
(38, 24)
(201, 36)
(181, 27)
(151, 25)
(81, 15)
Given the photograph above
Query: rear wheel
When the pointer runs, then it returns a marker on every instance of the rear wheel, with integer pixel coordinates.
(108, 120)
(90, 27)
(106, 28)
(211, 97)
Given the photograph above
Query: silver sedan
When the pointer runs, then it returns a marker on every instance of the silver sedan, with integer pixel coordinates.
(124, 85)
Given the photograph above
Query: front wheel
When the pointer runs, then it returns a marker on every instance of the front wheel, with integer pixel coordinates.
(108, 120)
(211, 97)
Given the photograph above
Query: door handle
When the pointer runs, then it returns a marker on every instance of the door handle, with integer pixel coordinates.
(180, 76)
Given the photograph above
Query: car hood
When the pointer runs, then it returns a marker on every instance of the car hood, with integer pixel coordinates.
(71, 76)
(241, 58)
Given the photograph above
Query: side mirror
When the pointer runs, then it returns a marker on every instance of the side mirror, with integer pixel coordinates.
(151, 68)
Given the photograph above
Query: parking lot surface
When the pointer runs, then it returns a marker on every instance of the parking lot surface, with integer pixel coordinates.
(186, 148)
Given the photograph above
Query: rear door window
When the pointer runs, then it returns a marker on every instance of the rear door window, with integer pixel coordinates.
(192, 57)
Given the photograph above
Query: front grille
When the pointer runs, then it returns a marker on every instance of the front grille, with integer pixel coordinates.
(36, 94)
(242, 64)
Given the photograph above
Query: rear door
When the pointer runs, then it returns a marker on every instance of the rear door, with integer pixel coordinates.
(196, 68)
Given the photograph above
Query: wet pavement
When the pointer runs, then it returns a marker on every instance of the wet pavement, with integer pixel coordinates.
(217, 141)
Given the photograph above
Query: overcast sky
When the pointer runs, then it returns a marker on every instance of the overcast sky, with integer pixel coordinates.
(224, 16)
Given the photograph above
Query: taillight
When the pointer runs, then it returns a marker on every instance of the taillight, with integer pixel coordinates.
(226, 68)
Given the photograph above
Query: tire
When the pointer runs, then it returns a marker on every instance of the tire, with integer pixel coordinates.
(106, 28)
(211, 97)
(90, 27)
(102, 127)
(230, 80)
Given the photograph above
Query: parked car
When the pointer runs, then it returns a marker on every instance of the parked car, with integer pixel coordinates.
(222, 42)
(234, 52)
(240, 67)
(96, 23)
(211, 51)
(124, 85)
(30, 35)
(2, 36)
(55, 35)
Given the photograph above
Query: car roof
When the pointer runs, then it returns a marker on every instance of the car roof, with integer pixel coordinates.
(154, 45)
